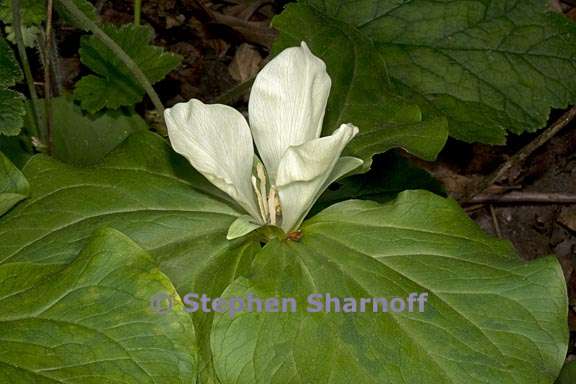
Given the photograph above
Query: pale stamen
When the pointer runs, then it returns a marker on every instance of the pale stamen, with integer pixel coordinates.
(261, 173)
(260, 198)
(272, 205)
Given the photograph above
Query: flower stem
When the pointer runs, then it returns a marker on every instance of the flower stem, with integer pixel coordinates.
(48, 77)
(91, 26)
(137, 11)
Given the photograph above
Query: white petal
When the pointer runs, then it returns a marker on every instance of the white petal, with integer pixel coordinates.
(344, 166)
(306, 170)
(287, 103)
(216, 140)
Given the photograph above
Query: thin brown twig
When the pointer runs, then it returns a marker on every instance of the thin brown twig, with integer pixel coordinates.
(234, 94)
(524, 153)
(495, 221)
(526, 198)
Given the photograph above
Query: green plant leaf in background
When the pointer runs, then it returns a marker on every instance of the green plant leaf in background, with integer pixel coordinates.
(15, 149)
(12, 108)
(13, 185)
(33, 12)
(85, 6)
(488, 66)
(91, 322)
(84, 139)
(568, 374)
(490, 317)
(113, 85)
(390, 174)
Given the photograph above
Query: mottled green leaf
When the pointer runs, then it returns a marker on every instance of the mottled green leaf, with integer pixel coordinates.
(113, 84)
(91, 322)
(488, 66)
(13, 185)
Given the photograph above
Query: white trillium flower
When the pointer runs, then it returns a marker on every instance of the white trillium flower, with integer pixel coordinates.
(286, 111)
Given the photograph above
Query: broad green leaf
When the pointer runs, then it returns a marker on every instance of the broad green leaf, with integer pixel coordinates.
(488, 66)
(14, 148)
(389, 175)
(13, 185)
(147, 192)
(85, 139)
(91, 322)
(568, 374)
(113, 85)
(489, 318)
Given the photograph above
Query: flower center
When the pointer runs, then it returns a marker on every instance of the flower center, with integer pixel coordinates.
(267, 196)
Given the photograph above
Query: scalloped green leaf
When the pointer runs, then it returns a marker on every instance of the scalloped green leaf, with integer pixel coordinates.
(10, 72)
(113, 84)
(12, 112)
(91, 322)
(33, 12)
(489, 317)
(489, 67)
(12, 108)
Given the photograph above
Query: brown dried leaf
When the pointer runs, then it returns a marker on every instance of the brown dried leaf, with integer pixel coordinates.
(245, 63)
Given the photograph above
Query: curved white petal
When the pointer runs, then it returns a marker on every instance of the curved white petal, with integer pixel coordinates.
(216, 140)
(287, 103)
(306, 170)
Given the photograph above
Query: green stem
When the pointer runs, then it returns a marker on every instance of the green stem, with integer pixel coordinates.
(48, 76)
(91, 26)
(35, 108)
(137, 11)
